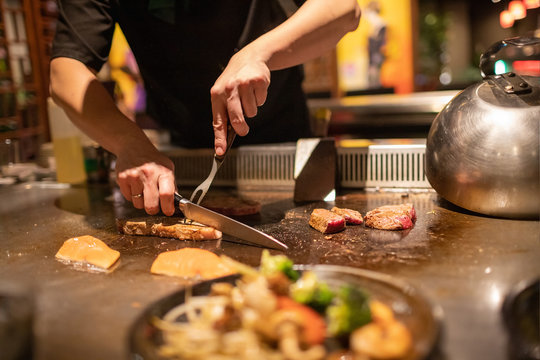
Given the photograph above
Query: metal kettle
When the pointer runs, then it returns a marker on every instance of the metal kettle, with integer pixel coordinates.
(482, 150)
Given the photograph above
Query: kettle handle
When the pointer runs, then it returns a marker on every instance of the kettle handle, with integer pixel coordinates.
(521, 48)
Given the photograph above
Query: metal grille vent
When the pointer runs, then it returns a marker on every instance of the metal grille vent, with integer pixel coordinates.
(382, 166)
(266, 167)
(193, 166)
(260, 167)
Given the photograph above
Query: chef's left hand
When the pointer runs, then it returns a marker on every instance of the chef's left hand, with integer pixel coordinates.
(239, 91)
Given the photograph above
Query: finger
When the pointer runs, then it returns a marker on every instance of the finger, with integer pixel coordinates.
(166, 193)
(136, 193)
(219, 122)
(260, 89)
(248, 100)
(151, 196)
(125, 189)
(236, 114)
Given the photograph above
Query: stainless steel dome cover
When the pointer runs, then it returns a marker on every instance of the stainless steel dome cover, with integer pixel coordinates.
(482, 151)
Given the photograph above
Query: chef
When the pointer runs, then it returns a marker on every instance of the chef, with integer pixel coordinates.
(204, 63)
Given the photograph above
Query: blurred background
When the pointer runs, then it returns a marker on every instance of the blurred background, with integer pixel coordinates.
(389, 78)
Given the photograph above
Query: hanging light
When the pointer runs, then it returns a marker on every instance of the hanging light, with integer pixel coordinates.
(531, 4)
(506, 19)
(517, 9)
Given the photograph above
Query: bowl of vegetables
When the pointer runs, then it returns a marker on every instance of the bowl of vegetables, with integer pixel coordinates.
(286, 311)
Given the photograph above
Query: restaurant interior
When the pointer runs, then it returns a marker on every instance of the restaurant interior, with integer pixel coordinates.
(429, 104)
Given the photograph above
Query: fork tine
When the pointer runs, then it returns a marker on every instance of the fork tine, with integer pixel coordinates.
(201, 191)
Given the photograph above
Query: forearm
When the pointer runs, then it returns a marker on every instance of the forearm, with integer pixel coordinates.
(313, 30)
(89, 106)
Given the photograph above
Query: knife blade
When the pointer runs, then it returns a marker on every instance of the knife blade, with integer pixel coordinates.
(225, 224)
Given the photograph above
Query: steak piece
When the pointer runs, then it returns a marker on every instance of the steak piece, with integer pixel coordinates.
(167, 227)
(391, 217)
(326, 221)
(231, 205)
(352, 217)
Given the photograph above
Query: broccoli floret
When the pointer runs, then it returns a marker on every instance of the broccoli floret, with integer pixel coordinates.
(309, 290)
(277, 263)
(349, 311)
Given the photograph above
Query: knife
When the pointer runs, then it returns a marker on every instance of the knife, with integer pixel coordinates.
(225, 224)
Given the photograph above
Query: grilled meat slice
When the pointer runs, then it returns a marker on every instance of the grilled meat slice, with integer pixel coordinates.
(391, 217)
(326, 221)
(352, 217)
(168, 228)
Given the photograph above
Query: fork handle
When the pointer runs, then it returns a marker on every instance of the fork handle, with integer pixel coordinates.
(231, 134)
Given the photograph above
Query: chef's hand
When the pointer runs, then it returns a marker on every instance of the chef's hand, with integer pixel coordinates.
(147, 180)
(239, 91)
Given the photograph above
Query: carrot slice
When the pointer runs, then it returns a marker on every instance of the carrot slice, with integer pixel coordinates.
(314, 327)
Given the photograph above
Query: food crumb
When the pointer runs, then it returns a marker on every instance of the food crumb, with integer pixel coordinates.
(328, 237)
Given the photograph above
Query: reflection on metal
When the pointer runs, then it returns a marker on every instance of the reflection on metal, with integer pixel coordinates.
(331, 196)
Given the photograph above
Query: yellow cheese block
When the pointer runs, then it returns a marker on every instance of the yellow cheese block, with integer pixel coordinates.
(88, 249)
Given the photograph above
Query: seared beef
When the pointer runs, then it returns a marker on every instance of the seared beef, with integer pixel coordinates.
(231, 205)
(391, 217)
(326, 221)
(352, 217)
(168, 227)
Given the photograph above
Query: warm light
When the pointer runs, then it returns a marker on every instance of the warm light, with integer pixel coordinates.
(517, 9)
(506, 19)
(527, 67)
(531, 4)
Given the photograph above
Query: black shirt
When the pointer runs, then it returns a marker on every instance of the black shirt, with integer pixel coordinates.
(181, 47)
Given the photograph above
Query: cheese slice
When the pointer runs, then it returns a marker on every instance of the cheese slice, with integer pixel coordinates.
(88, 249)
(190, 263)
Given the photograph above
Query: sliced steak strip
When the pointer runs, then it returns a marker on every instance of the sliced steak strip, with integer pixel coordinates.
(352, 217)
(231, 205)
(168, 228)
(326, 221)
(391, 217)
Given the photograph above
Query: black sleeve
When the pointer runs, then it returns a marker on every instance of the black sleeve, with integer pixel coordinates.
(84, 31)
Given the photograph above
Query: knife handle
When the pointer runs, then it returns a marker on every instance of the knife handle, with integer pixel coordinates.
(177, 200)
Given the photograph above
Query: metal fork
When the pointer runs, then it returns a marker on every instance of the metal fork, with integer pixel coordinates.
(216, 163)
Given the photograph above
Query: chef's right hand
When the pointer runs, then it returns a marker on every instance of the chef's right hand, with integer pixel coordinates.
(147, 180)
(240, 89)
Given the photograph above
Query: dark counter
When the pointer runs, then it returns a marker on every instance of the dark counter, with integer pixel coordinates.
(464, 262)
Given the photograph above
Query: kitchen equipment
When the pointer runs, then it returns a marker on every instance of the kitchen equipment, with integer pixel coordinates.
(482, 148)
(68, 143)
(216, 163)
(226, 224)
(315, 170)
(409, 305)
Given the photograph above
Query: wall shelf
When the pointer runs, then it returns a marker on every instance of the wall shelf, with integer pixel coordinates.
(24, 74)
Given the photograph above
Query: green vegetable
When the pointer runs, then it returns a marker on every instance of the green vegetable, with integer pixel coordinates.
(277, 263)
(349, 311)
(310, 291)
